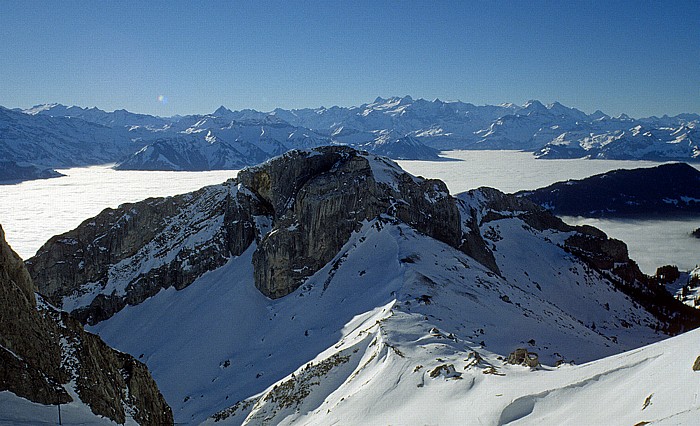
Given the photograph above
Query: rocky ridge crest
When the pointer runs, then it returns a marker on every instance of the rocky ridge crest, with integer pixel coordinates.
(299, 209)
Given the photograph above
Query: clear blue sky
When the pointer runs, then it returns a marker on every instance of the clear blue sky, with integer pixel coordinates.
(637, 57)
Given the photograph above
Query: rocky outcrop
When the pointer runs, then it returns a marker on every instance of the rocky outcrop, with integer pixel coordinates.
(319, 200)
(313, 200)
(521, 356)
(128, 254)
(299, 209)
(591, 245)
(46, 352)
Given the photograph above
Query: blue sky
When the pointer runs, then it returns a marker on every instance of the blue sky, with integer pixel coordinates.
(638, 57)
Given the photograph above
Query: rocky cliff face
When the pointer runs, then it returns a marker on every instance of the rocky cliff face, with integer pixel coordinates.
(126, 255)
(47, 356)
(319, 200)
(299, 209)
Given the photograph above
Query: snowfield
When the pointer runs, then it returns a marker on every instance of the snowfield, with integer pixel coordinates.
(361, 339)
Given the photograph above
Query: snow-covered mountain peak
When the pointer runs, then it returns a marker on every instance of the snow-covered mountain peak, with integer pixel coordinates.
(534, 107)
(599, 115)
(36, 109)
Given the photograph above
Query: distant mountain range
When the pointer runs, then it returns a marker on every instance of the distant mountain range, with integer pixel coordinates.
(54, 136)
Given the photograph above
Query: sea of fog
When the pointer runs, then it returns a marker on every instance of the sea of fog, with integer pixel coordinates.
(31, 212)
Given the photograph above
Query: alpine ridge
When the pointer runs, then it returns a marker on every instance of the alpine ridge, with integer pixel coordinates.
(322, 269)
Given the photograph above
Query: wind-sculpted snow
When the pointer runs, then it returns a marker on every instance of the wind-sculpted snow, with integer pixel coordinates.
(368, 329)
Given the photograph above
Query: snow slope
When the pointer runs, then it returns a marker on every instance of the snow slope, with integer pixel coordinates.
(17, 411)
(219, 341)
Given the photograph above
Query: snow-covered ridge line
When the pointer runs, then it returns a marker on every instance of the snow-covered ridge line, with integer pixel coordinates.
(336, 266)
(402, 128)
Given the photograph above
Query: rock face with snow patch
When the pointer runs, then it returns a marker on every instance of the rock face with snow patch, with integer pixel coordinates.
(315, 199)
(46, 355)
(320, 200)
(299, 209)
(591, 245)
(125, 255)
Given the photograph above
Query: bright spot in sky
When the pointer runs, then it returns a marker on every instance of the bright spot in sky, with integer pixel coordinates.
(163, 99)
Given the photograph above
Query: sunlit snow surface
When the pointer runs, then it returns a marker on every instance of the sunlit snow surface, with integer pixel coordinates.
(219, 340)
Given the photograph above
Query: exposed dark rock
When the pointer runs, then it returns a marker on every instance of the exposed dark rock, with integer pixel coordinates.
(696, 365)
(696, 233)
(30, 353)
(592, 246)
(667, 274)
(110, 248)
(43, 350)
(610, 256)
(666, 190)
(313, 199)
(446, 370)
(300, 208)
(319, 200)
(521, 356)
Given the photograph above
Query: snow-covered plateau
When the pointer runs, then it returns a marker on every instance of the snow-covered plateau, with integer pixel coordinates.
(330, 287)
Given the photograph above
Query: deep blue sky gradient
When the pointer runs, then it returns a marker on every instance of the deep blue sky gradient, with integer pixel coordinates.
(637, 57)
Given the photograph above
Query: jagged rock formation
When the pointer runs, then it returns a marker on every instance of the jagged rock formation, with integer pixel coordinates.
(299, 209)
(315, 199)
(132, 252)
(47, 356)
(319, 200)
(521, 356)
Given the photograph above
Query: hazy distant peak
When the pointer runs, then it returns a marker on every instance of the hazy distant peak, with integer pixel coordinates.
(598, 115)
(222, 111)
